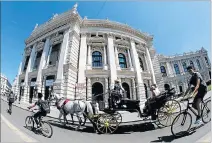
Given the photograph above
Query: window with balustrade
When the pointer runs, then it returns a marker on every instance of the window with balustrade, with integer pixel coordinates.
(163, 71)
(141, 63)
(122, 60)
(184, 66)
(198, 64)
(177, 70)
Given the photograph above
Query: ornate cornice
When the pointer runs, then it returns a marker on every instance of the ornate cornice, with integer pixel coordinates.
(63, 19)
(116, 26)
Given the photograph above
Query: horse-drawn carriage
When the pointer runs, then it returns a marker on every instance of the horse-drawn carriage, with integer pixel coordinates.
(162, 109)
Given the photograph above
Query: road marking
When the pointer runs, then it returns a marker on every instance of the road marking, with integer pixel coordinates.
(23, 136)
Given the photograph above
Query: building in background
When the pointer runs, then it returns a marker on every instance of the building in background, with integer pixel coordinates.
(68, 49)
(5, 85)
(171, 70)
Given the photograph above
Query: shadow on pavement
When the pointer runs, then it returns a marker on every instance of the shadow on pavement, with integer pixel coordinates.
(171, 137)
(123, 129)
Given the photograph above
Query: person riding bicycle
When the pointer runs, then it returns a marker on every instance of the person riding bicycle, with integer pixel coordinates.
(199, 92)
(11, 99)
(41, 111)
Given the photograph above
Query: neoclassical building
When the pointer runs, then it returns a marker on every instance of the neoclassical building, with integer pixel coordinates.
(171, 70)
(69, 49)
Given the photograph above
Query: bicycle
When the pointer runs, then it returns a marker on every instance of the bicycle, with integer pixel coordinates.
(30, 122)
(186, 116)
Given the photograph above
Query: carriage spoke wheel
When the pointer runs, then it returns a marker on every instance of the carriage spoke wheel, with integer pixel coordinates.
(168, 112)
(107, 124)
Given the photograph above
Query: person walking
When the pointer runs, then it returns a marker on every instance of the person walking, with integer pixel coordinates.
(11, 99)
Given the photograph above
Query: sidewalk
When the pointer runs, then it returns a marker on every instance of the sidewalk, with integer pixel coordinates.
(205, 139)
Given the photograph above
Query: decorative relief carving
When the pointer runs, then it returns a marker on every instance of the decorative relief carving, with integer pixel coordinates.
(28, 51)
(75, 34)
(40, 46)
(56, 39)
(100, 49)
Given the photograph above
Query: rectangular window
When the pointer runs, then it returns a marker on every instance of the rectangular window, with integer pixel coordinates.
(54, 57)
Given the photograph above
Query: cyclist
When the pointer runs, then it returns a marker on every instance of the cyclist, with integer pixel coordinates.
(41, 111)
(11, 99)
(199, 92)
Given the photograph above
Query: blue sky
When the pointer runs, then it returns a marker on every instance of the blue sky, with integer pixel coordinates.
(177, 26)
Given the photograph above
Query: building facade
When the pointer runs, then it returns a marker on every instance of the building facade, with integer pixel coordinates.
(5, 85)
(69, 49)
(171, 70)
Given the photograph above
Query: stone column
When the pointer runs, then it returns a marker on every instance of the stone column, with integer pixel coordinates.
(105, 59)
(89, 58)
(82, 59)
(111, 57)
(139, 81)
(151, 66)
(58, 84)
(26, 82)
(133, 89)
(43, 61)
(106, 94)
(17, 89)
(89, 96)
(147, 65)
(180, 67)
(130, 60)
(117, 59)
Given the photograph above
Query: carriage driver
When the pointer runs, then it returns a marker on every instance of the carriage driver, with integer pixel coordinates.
(120, 90)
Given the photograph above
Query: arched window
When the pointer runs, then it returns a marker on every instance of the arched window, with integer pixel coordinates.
(163, 69)
(177, 70)
(198, 64)
(192, 64)
(141, 64)
(122, 61)
(185, 67)
(96, 59)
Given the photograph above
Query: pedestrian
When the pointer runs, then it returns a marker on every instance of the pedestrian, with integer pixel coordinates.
(11, 99)
(199, 92)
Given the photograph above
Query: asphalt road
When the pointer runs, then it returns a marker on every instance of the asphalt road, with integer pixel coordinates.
(144, 132)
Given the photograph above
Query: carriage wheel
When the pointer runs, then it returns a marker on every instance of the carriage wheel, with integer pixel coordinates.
(107, 124)
(168, 112)
(117, 117)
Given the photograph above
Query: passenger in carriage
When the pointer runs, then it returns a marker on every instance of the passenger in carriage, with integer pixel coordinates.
(155, 91)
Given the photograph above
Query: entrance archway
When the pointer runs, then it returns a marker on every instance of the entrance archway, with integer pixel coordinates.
(97, 89)
(49, 82)
(166, 86)
(31, 90)
(181, 88)
(127, 89)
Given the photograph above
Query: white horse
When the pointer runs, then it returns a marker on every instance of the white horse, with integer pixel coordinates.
(77, 107)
